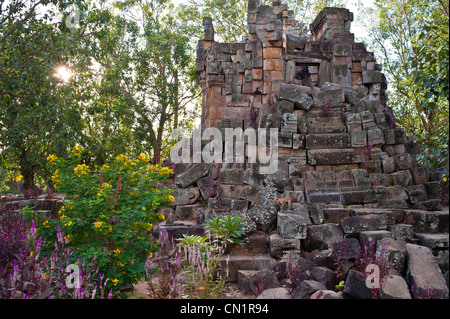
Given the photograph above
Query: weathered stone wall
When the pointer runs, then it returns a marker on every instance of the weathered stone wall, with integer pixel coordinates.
(344, 168)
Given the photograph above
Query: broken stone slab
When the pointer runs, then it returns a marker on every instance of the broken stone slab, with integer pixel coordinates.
(335, 215)
(297, 96)
(365, 237)
(422, 221)
(275, 293)
(394, 287)
(423, 273)
(251, 281)
(355, 286)
(306, 288)
(337, 97)
(352, 247)
(253, 178)
(324, 275)
(193, 173)
(443, 216)
(323, 196)
(291, 226)
(241, 262)
(257, 243)
(430, 205)
(264, 211)
(326, 294)
(327, 141)
(333, 157)
(402, 231)
(184, 212)
(354, 225)
(231, 176)
(394, 250)
(388, 215)
(250, 193)
(322, 237)
(185, 196)
(433, 241)
(357, 196)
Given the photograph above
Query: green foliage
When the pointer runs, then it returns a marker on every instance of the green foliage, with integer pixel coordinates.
(109, 213)
(412, 41)
(227, 230)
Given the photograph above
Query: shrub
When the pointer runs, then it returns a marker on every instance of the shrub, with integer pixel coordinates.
(110, 212)
(29, 275)
(227, 229)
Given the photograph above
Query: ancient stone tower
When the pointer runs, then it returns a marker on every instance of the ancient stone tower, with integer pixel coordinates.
(343, 166)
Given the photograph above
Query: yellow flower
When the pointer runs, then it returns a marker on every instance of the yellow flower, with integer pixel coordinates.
(144, 157)
(150, 255)
(122, 265)
(149, 226)
(106, 185)
(122, 158)
(18, 178)
(98, 224)
(62, 217)
(31, 254)
(45, 224)
(78, 150)
(68, 224)
(171, 198)
(115, 281)
(143, 208)
(161, 216)
(51, 158)
(117, 251)
(81, 170)
(165, 171)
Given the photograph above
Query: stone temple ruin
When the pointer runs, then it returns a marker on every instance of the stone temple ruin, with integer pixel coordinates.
(345, 168)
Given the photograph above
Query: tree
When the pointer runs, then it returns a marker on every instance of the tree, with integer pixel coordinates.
(147, 72)
(35, 107)
(411, 40)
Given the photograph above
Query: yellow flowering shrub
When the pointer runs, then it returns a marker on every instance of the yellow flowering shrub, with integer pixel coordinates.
(109, 212)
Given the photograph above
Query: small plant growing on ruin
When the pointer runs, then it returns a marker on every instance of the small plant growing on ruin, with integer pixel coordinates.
(389, 115)
(365, 152)
(254, 113)
(293, 272)
(205, 275)
(343, 114)
(428, 293)
(326, 107)
(340, 286)
(227, 229)
(162, 270)
(340, 256)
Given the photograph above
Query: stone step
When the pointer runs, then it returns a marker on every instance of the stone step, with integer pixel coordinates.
(327, 130)
(327, 141)
(324, 122)
(433, 241)
(246, 262)
(47, 213)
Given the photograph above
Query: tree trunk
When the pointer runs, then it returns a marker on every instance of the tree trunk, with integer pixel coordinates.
(28, 180)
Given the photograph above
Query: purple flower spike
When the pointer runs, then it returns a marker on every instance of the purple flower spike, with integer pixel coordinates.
(33, 229)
